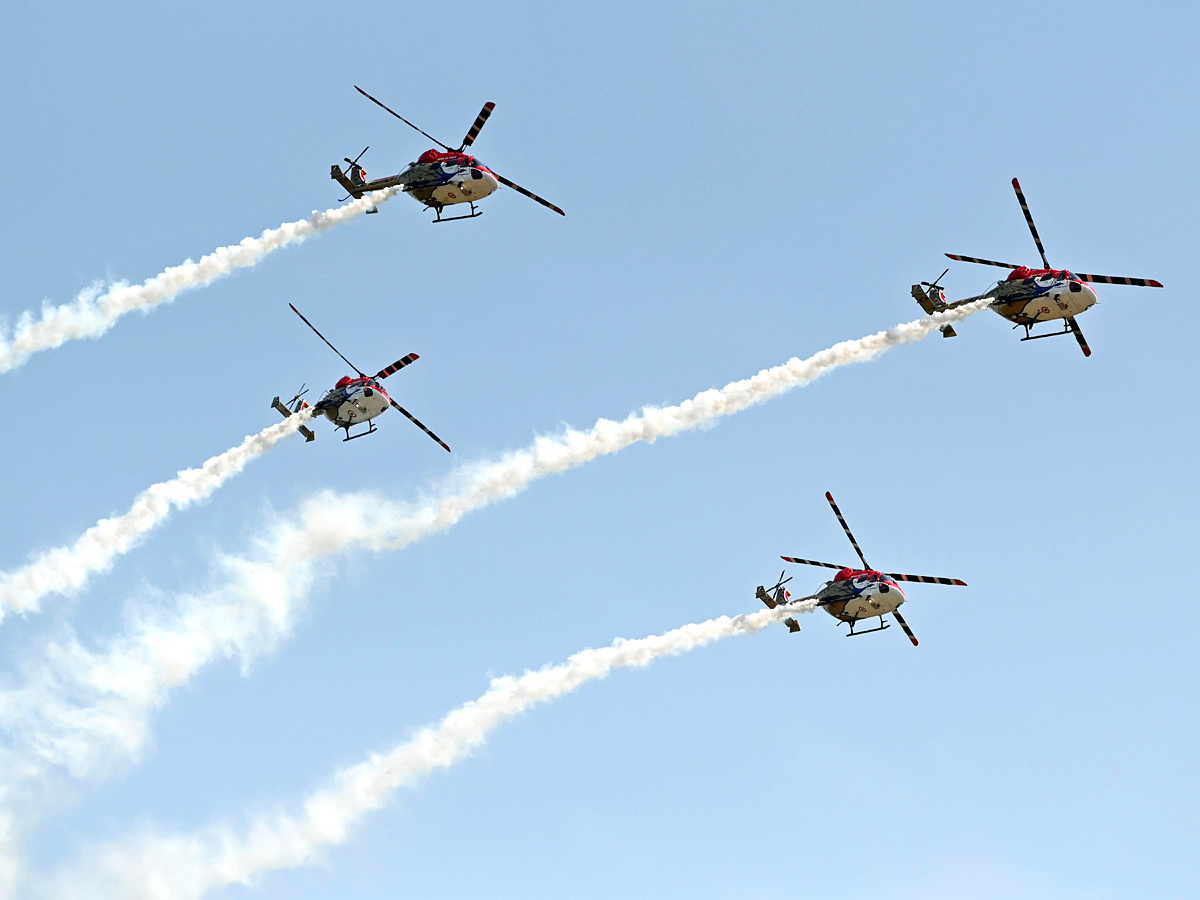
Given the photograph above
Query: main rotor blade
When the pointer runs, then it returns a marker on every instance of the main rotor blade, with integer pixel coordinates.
(982, 262)
(530, 194)
(1118, 279)
(1078, 332)
(926, 579)
(846, 528)
(811, 562)
(419, 424)
(479, 120)
(899, 618)
(326, 340)
(1029, 220)
(397, 366)
(401, 118)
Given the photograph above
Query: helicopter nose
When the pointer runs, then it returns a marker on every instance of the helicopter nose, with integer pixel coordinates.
(1083, 294)
(483, 182)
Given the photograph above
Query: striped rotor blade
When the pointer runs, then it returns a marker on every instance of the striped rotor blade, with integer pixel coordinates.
(926, 579)
(982, 262)
(530, 194)
(419, 424)
(810, 562)
(326, 340)
(400, 117)
(479, 120)
(1029, 220)
(1078, 332)
(846, 528)
(900, 619)
(1118, 279)
(397, 366)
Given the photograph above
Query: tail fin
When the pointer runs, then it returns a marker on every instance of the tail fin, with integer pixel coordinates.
(933, 300)
(287, 414)
(781, 597)
(352, 182)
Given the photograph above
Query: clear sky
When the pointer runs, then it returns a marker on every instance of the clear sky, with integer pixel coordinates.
(743, 183)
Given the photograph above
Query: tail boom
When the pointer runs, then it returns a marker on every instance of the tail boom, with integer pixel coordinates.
(287, 414)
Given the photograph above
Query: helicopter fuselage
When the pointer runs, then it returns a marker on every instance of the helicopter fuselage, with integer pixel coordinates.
(856, 594)
(436, 179)
(1029, 296)
(444, 179)
(353, 400)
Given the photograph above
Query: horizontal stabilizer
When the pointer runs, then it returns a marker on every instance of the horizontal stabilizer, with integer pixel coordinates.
(925, 302)
(793, 625)
(336, 173)
(761, 594)
(287, 414)
(948, 331)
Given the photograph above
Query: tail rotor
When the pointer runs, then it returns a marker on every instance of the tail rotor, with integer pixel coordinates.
(774, 596)
(296, 404)
(355, 174)
(932, 298)
(934, 284)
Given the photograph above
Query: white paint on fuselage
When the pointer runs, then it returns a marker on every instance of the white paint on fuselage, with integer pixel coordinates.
(466, 185)
(1058, 302)
(362, 403)
(872, 598)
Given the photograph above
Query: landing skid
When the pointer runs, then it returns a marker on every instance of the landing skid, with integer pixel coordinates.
(371, 429)
(474, 214)
(1070, 326)
(883, 626)
(1035, 337)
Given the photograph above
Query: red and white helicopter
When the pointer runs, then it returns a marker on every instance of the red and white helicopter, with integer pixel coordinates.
(1029, 296)
(353, 401)
(436, 179)
(854, 594)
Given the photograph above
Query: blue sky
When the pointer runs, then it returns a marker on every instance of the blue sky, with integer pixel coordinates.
(743, 183)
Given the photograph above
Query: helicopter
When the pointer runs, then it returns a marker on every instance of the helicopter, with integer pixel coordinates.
(1028, 297)
(437, 179)
(854, 594)
(352, 401)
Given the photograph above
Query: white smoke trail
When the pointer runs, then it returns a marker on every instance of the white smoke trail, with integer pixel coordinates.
(187, 867)
(88, 711)
(65, 570)
(94, 310)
